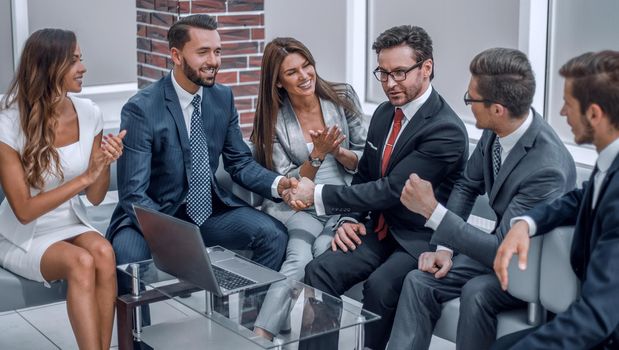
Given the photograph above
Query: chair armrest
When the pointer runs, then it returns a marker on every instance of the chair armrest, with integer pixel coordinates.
(525, 284)
(559, 286)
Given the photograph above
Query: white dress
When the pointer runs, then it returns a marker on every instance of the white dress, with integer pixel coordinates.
(22, 246)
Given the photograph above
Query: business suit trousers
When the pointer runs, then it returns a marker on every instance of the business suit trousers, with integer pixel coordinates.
(383, 263)
(481, 299)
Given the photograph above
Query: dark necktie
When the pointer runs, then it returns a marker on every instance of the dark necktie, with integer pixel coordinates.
(199, 205)
(496, 156)
(381, 226)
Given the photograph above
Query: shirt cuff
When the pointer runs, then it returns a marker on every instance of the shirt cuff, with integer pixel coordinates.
(442, 247)
(528, 220)
(437, 217)
(274, 193)
(318, 205)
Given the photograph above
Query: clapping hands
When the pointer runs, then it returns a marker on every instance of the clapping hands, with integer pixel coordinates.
(110, 150)
(327, 141)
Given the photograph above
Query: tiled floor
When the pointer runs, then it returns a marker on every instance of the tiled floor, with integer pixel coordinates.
(47, 327)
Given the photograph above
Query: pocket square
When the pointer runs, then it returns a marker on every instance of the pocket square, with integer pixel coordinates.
(372, 146)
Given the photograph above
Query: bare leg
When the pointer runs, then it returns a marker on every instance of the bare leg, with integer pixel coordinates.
(105, 280)
(63, 260)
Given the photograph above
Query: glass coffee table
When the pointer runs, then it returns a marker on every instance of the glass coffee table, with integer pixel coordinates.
(302, 313)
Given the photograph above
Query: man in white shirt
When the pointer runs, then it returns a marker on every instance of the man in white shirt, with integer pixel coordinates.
(591, 105)
(519, 162)
(415, 131)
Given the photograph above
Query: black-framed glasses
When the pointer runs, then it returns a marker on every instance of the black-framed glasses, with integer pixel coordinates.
(396, 75)
(468, 100)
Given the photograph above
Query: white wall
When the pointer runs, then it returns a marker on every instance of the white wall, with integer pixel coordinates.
(106, 32)
(319, 24)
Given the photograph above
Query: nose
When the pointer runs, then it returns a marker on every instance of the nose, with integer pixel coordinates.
(304, 74)
(562, 111)
(390, 81)
(82, 68)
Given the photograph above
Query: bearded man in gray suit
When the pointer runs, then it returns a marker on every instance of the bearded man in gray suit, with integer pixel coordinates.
(520, 162)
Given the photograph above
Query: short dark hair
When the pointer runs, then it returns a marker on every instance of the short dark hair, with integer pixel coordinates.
(595, 79)
(506, 77)
(415, 37)
(178, 34)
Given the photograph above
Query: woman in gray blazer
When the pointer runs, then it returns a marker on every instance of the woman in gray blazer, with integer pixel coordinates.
(304, 127)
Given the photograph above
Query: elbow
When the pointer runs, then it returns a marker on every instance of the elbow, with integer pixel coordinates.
(23, 218)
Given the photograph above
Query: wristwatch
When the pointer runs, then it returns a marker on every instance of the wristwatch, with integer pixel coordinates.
(315, 162)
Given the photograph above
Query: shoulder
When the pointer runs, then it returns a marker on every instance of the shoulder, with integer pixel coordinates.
(87, 111)
(219, 91)
(10, 127)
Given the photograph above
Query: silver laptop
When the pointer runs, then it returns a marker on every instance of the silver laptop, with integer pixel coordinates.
(178, 249)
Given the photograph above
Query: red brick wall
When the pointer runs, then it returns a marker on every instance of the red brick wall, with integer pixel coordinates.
(241, 26)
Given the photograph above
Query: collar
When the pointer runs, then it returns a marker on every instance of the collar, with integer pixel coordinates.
(413, 106)
(607, 156)
(184, 97)
(508, 142)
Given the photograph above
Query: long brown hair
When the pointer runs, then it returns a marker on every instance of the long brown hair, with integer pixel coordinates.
(37, 90)
(270, 97)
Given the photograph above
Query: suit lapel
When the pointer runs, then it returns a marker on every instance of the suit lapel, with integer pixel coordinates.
(519, 150)
(173, 106)
(296, 140)
(415, 124)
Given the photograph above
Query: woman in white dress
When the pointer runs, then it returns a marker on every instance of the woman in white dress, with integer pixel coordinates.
(51, 150)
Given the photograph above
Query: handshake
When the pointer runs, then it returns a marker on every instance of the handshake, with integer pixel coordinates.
(297, 194)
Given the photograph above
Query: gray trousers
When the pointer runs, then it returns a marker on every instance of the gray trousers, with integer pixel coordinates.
(481, 299)
(309, 235)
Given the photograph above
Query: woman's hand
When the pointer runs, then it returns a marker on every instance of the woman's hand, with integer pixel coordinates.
(327, 141)
(101, 157)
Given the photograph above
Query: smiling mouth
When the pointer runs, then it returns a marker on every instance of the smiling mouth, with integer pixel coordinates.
(306, 85)
(209, 70)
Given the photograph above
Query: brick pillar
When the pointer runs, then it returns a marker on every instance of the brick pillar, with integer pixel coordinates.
(241, 26)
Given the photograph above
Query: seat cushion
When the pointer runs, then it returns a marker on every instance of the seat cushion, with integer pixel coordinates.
(17, 292)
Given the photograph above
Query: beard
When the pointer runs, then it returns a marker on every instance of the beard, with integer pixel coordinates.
(194, 76)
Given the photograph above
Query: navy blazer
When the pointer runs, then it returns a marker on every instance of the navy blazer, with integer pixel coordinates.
(593, 319)
(434, 144)
(155, 166)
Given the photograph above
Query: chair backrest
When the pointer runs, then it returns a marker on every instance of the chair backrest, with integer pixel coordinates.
(559, 286)
(525, 284)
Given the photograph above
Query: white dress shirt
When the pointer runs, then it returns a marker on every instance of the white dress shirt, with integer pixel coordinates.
(184, 99)
(507, 144)
(605, 160)
(409, 111)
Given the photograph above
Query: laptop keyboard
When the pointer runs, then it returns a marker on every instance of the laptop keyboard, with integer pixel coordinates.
(230, 280)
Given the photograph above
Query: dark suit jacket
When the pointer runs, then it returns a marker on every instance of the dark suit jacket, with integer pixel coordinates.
(593, 319)
(155, 166)
(537, 170)
(434, 144)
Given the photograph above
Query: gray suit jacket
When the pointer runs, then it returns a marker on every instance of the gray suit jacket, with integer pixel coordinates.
(538, 169)
(290, 148)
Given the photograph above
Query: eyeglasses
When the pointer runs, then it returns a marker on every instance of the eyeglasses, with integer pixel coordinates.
(396, 75)
(468, 100)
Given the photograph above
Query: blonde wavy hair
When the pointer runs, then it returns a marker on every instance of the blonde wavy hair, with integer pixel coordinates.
(37, 89)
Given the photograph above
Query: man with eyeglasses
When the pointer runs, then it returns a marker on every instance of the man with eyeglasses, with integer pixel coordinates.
(519, 162)
(415, 131)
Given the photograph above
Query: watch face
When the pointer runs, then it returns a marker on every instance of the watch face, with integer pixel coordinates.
(316, 162)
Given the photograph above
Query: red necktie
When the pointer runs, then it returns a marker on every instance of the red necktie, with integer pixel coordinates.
(381, 226)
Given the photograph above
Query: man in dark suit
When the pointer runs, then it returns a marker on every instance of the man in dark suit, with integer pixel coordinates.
(591, 105)
(415, 131)
(180, 125)
(520, 162)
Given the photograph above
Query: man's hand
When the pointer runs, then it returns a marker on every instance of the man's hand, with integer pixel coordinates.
(516, 242)
(418, 196)
(286, 183)
(439, 263)
(347, 236)
(301, 195)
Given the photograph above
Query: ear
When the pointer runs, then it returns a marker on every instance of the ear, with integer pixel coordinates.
(594, 114)
(175, 54)
(428, 66)
(499, 109)
(279, 85)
